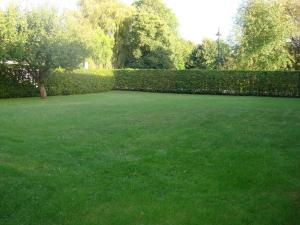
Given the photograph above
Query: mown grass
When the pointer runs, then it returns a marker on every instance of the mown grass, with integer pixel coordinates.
(140, 158)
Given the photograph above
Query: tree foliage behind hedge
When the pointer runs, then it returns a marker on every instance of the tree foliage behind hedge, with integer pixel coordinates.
(279, 83)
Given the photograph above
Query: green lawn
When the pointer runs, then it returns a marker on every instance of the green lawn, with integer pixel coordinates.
(143, 158)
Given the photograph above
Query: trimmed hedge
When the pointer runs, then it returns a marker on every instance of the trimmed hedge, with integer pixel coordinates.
(79, 82)
(275, 83)
(15, 83)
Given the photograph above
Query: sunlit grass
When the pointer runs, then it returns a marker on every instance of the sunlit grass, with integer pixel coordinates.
(140, 158)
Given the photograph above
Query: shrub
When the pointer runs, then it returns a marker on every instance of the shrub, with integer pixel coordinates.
(78, 82)
(14, 83)
(275, 83)
(145, 80)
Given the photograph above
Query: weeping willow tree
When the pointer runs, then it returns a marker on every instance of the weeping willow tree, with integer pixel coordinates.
(109, 18)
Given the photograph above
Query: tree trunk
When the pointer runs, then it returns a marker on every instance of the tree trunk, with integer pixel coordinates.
(43, 91)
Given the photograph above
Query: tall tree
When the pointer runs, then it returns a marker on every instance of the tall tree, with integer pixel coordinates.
(159, 8)
(121, 45)
(98, 42)
(106, 14)
(293, 9)
(262, 34)
(127, 24)
(152, 37)
(149, 42)
(110, 16)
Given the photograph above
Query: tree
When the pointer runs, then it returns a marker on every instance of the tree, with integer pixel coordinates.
(204, 56)
(106, 14)
(263, 28)
(158, 8)
(292, 8)
(108, 17)
(39, 41)
(121, 45)
(123, 24)
(181, 52)
(100, 44)
(149, 42)
(150, 34)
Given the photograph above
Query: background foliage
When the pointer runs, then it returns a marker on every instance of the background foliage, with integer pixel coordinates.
(263, 28)
(205, 55)
(110, 34)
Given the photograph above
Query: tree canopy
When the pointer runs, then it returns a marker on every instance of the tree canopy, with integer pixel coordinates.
(263, 31)
(205, 55)
(108, 17)
(38, 41)
(111, 34)
(106, 14)
(292, 8)
(149, 42)
(159, 8)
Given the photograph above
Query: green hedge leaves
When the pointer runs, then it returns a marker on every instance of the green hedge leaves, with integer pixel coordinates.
(278, 83)
(15, 83)
(68, 83)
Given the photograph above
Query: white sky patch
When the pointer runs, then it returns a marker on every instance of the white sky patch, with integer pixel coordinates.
(198, 19)
(60, 4)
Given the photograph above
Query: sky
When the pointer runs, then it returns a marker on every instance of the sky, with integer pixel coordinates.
(198, 19)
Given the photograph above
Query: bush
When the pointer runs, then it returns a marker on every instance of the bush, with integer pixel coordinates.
(14, 83)
(78, 82)
(276, 83)
(145, 80)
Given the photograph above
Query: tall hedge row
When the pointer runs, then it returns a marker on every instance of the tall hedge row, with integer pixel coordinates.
(279, 83)
(69, 83)
(14, 83)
